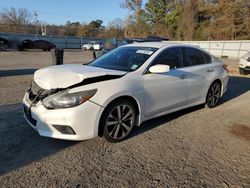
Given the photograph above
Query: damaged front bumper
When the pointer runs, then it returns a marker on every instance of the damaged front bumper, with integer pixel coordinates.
(83, 120)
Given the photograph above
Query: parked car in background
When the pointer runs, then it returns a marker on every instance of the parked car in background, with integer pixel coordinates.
(121, 43)
(244, 67)
(98, 46)
(88, 46)
(147, 39)
(37, 44)
(92, 45)
(113, 43)
(4, 44)
(122, 89)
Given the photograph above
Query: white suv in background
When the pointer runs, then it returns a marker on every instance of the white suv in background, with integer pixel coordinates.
(98, 46)
(244, 66)
(92, 45)
(122, 89)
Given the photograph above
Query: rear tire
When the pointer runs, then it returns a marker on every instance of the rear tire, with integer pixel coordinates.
(213, 95)
(118, 120)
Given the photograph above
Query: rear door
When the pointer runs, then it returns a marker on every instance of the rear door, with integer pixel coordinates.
(197, 66)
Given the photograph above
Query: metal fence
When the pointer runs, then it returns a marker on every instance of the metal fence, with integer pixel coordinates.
(65, 42)
(230, 48)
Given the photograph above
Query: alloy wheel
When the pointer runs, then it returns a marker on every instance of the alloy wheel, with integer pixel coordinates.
(120, 121)
(213, 96)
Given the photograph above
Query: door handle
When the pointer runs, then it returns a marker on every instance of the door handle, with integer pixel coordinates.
(183, 76)
(210, 70)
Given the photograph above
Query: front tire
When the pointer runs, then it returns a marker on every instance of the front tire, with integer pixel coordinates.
(213, 95)
(118, 120)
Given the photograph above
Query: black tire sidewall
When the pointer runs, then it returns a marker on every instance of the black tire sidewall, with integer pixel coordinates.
(107, 111)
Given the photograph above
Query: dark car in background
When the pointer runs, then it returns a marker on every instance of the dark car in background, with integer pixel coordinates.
(111, 44)
(4, 44)
(37, 44)
(150, 38)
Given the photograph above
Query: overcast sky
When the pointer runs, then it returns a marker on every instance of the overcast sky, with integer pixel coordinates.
(60, 11)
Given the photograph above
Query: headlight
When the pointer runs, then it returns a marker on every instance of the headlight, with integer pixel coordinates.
(67, 100)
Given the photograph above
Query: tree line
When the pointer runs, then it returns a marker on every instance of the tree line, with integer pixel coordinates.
(175, 19)
(189, 19)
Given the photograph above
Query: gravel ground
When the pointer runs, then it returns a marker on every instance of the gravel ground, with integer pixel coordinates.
(197, 147)
(35, 60)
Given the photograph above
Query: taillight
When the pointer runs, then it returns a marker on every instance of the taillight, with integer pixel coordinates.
(226, 68)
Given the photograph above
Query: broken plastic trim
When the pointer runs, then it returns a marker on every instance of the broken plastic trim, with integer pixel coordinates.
(95, 80)
(39, 96)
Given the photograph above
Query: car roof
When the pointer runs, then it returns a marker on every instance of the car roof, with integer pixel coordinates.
(158, 44)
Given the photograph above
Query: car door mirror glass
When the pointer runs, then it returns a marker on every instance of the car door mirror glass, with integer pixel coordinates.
(159, 69)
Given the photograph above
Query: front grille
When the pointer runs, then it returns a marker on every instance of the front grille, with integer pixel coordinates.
(35, 90)
(32, 96)
(35, 94)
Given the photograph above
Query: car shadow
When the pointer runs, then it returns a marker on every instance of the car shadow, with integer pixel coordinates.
(20, 144)
(155, 122)
(16, 72)
(237, 86)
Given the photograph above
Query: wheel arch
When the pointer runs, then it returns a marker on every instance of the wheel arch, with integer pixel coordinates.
(209, 85)
(131, 99)
(221, 85)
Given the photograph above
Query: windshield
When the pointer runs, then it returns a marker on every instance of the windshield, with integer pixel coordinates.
(124, 59)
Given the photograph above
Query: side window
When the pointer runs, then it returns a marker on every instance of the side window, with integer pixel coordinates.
(208, 58)
(192, 57)
(171, 57)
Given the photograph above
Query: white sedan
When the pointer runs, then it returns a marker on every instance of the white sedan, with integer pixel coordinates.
(244, 67)
(122, 89)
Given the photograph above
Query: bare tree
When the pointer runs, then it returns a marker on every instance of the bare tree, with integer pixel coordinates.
(132, 5)
(135, 25)
(117, 24)
(14, 16)
(115, 28)
(16, 21)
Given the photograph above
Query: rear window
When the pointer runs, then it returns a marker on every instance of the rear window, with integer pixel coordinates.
(192, 57)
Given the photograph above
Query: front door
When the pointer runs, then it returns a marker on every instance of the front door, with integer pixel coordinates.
(165, 91)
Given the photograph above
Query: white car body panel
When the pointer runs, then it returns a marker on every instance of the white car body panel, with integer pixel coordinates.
(245, 62)
(160, 95)
(155, 94)
(87, 46)
(97, 46)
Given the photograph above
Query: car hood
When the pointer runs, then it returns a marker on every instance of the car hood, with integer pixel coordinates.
(63, 76)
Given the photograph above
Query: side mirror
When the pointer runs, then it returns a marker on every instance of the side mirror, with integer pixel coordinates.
(159, 69)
